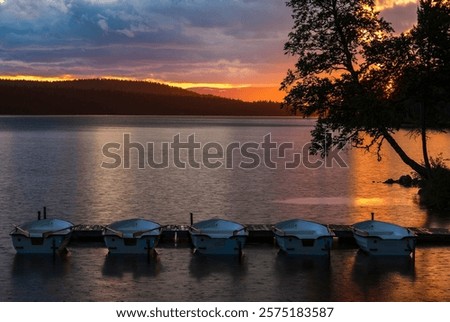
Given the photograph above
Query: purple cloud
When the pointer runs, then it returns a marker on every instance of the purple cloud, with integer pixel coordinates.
(225, 41)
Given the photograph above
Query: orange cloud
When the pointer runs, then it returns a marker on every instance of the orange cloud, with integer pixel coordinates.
(386, 4)
(38, 78)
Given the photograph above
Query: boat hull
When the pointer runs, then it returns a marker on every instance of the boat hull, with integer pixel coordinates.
(119, 245)
(386, 247)
(381, 238)
(132, 236)
(293, 245)
(303, 237)
(40, 245)
(218, 246)
(218, 237)
(46, 236)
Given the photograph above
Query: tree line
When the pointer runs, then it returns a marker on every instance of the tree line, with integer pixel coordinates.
(114, 97)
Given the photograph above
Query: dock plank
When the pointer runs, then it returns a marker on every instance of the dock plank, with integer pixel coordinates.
(258, 233)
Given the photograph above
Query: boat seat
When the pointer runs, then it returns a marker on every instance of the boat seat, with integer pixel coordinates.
(305, 232)
(223, 232)
(381, 233)
(218, 234)
(35, 234)
(300, 233)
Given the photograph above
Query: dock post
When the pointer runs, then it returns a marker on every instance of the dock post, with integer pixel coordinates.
(147, 241)
(54, 248)
(39, 215)
(241, 253)
(45, 212)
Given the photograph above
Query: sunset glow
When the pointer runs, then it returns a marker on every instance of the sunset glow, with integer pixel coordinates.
(386, 4)
(209, 85)
(38, 78)
(183, 85)
(214, 44)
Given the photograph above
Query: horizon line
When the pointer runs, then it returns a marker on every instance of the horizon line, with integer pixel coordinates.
(183, 85)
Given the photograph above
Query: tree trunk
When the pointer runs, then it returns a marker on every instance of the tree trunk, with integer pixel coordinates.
(426, 159)
(421, 170)
(423, 111)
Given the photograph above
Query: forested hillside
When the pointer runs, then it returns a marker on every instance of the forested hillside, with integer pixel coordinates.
(115, 97)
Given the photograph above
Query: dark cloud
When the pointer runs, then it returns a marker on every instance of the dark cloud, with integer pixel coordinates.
(234, 41)
(160, 36)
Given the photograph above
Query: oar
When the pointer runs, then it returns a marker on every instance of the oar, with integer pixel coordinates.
(279, 231)
(118, 233)
(141, 232)
(195, 229)
(26, 233)
(48, 233)
(235, 232)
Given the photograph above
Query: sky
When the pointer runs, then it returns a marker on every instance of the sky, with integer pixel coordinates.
(221, 43)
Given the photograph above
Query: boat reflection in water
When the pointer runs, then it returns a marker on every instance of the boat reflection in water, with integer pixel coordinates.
(377, 277)
(40, 267)
(206, 266)
(310, 275)
(39, 277)
(136, 265)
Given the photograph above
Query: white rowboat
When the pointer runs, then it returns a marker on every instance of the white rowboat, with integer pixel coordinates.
(46, 236)
(380, 238)
(302, 237)
(132, 236)
(218, 237)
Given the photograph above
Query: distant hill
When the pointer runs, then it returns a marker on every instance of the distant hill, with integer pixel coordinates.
(116, 97)
(248, 94)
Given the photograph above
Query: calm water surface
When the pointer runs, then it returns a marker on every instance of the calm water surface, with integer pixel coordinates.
(56, 161)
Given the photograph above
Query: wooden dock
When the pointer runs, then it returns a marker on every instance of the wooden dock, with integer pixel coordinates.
(259, 233)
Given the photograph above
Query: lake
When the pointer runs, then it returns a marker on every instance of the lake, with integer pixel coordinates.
(95, 170)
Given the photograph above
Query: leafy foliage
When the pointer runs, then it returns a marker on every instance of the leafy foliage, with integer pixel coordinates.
(435, 193)
(361, 81)
(424, 86)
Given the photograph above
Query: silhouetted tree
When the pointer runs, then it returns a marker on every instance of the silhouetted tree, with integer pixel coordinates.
(424, 84)
(356, 76)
